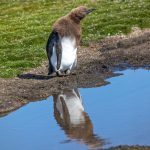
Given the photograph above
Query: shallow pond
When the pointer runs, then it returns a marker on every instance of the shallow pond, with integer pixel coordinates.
(111, 115)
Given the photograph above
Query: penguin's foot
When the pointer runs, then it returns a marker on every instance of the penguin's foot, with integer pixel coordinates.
(67, 72)
(59, 73)
(49, 73)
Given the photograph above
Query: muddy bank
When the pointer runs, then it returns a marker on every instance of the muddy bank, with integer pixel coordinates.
(130, 148)
(95, 63)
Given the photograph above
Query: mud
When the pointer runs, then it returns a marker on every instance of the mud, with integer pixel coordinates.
(95, 63)
(130, 148)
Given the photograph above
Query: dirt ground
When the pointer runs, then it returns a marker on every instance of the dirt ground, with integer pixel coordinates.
(130, 148)
(96, 62)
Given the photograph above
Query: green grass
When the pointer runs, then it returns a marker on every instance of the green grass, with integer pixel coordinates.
(25, 26)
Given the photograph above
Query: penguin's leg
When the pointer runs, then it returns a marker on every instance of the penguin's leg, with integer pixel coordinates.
(59, 73)
(68, 71)
(52, 74)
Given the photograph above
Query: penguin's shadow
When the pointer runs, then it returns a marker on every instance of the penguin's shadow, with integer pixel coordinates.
(40, 76)
(35, 76)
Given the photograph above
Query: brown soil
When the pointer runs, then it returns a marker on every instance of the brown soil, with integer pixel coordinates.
(130, 148)
(95, 63)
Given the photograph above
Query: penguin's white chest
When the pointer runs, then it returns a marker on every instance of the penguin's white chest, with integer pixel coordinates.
(69, 54)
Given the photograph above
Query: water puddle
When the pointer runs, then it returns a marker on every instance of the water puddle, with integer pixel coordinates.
(111, 115)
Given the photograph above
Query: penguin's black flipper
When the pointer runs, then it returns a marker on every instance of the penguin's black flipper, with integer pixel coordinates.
(53, 40)
(58, 47)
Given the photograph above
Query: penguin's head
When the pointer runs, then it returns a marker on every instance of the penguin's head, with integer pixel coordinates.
(77, 14)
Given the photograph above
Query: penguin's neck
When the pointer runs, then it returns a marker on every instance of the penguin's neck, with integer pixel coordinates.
(76, 28)
(67, 27)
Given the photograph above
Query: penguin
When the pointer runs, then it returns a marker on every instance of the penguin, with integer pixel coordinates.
(69, 105)
(63, 41)
(71, 117)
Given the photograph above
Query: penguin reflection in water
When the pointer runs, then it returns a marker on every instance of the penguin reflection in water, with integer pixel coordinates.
(70, 115)
(63, 42)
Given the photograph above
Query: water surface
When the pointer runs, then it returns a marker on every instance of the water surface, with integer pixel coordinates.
(116, 114)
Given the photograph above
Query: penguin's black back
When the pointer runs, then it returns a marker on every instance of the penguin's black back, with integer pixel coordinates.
(53, 38)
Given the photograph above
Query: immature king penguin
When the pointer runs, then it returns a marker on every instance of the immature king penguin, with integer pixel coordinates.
(63, 41)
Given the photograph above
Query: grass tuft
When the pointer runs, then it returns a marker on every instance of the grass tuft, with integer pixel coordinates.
(25, 27)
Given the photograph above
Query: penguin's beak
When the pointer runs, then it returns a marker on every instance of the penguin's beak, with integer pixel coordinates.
(90, 10)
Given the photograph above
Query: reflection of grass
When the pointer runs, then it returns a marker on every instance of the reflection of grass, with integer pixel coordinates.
(25, 26)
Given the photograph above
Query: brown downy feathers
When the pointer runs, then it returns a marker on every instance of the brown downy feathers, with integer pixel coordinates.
(69, 25)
